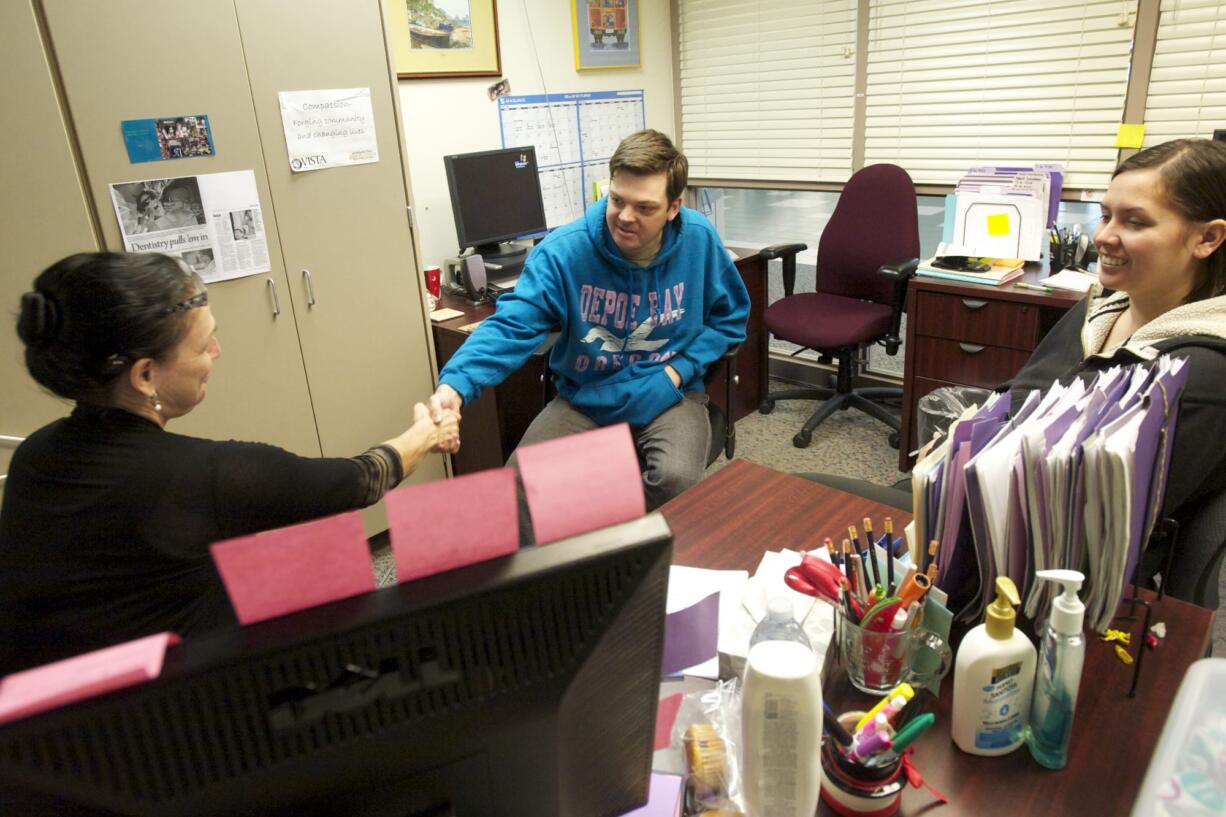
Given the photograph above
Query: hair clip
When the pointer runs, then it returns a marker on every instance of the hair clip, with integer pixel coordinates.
(201, 298)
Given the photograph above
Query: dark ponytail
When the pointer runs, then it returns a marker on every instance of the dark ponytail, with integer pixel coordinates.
(92, 315)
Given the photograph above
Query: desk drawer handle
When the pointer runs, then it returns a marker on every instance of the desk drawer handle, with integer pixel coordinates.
(971, 348)
(310, 287)
(973, 304)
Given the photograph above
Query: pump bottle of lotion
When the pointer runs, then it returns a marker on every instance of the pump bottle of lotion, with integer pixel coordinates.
(993, 677)
(1059, 675)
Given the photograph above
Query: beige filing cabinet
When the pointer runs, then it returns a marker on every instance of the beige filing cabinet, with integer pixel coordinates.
(341, 365)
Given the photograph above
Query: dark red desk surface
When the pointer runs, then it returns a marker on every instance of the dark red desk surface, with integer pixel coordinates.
(729, 519)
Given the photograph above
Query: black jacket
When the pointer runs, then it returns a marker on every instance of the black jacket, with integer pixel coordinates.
(1196, 331)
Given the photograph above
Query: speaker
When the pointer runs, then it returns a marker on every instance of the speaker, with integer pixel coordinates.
(472, 276)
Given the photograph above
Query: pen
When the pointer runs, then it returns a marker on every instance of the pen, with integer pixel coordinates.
(841, 736)
(889, 555)
(1036, 287)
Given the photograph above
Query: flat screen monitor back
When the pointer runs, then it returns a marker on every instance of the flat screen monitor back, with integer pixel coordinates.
(522, 686)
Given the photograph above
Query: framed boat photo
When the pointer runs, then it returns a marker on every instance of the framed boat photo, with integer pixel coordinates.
(443, 38)
(606, 33)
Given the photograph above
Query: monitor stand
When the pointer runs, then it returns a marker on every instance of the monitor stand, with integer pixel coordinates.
(502, 261)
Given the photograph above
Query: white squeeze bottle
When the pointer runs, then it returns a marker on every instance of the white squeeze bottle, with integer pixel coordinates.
(993, 678)
(1059, 675)
(781, 719)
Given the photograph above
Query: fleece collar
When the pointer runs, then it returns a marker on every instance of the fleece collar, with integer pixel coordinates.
(1202, 318)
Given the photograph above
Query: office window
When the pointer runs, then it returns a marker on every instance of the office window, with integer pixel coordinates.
(1187, 84)
(767, 88)
(956, 83)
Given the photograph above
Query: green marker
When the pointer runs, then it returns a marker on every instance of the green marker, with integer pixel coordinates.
(911, 731)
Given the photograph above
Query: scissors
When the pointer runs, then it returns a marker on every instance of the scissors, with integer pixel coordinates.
(815, 577)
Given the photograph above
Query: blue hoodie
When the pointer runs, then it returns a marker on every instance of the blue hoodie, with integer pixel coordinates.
(620, 323)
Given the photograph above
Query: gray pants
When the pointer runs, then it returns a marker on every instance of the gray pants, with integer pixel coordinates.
(672, 448)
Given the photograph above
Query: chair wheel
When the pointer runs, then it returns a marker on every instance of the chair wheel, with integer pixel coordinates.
(894, 440)
(802, 439)
(766, 406)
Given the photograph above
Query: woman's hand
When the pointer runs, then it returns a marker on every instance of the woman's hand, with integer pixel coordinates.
(426, 437)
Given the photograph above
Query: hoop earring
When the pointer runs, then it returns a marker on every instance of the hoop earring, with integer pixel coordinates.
(157, 403)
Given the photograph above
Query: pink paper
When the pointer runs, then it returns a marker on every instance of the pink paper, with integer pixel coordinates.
(666, 716)
(443, 525)
(73, 679)
(582, 482)
(289, 569)
(664, 797)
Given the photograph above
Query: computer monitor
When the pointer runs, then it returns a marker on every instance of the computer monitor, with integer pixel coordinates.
(525, 686)
(496, 197)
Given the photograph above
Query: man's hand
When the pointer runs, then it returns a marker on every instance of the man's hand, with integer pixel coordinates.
(445, 436)
(445, 413)
(673, 376)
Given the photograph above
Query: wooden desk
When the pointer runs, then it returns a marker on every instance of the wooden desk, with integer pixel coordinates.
(970, 335)
(727, 520)
(493, 425)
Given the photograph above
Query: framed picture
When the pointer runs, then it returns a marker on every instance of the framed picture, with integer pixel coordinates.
(443, 38)
(606, 33)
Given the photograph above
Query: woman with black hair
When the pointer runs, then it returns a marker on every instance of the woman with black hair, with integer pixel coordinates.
(107, 516)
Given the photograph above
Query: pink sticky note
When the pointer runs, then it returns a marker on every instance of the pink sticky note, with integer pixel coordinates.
(73, 679)
(450, 523)
(281, 571)
(582, 482)
(666, 716)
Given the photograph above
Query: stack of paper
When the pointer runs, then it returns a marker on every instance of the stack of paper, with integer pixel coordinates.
(1001, 271)
(1073, 479)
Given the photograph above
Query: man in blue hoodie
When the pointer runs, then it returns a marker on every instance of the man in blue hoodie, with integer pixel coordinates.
(645, 297)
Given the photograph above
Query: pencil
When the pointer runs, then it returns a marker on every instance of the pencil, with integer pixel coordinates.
(871, 551)
(932, 560)
(851, 579)
(834, 557)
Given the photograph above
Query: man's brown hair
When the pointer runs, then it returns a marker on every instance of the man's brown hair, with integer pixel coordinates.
(649, 152)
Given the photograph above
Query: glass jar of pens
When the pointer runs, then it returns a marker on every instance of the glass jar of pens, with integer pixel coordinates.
(879, 631)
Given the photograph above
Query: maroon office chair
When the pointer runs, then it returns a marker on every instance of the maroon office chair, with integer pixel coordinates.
(868, 251)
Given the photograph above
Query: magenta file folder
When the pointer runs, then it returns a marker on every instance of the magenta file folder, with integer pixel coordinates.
(289, 569)
(447, 524)
(84, 676)
(582, 482)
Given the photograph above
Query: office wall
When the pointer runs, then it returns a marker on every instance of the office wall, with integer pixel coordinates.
(447, 116)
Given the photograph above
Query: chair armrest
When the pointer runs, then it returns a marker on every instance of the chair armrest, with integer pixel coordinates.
(727, 365)
(900, 271)
(788, 253)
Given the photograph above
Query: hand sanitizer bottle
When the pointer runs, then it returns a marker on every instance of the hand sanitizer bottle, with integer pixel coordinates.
(993, 676)
(781, 719)
(1059, 673)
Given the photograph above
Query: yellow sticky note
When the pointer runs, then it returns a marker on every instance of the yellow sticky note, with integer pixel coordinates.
(1130, 136)
(998, 224)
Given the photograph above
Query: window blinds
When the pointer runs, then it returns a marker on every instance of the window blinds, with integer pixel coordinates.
(767, 88)
(1187, 84)
(957, 83)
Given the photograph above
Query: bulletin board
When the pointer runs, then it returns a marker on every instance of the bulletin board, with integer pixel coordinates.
(574, 136)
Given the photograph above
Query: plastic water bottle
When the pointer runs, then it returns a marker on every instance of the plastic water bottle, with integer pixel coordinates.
(781, 719)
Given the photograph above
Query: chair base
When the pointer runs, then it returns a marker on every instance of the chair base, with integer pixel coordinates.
(834, 401)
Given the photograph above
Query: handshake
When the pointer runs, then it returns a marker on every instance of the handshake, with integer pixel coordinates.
(444, 414)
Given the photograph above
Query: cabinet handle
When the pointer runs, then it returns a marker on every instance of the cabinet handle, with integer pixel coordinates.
(971, 348)
(272, 290)
(736, 380)
(974, 303)
(310, 286)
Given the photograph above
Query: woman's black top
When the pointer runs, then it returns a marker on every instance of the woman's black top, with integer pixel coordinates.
(107, 519)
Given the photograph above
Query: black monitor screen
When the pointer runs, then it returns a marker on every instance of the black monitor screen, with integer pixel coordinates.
(495, 196)
(524, 686)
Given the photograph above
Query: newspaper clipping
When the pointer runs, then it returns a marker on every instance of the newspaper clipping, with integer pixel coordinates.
(211, 221)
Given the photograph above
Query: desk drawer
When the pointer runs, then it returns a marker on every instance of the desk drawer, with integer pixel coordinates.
(971, 364)
(977, 320)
